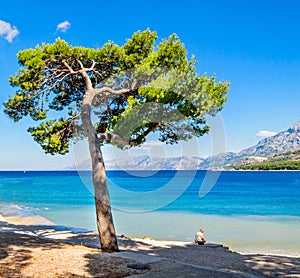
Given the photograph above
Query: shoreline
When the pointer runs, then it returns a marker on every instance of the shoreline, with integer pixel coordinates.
(27, 248)
(51, 230)
(215, 225)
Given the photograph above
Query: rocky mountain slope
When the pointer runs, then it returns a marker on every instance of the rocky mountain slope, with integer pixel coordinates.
(155, 163)
(280, 143)
(147, 163)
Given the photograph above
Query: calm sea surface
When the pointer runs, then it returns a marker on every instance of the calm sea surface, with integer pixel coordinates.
(250, 211)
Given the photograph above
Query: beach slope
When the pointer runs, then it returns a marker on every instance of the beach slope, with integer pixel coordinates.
(30, 250)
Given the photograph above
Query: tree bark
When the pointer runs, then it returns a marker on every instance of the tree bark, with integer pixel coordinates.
(105, 225)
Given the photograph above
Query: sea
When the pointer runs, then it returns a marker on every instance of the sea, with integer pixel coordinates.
(248, 211)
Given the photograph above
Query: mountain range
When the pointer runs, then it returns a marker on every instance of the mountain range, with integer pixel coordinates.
(280, 143)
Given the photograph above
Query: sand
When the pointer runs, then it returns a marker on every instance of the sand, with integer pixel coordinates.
(31, 250)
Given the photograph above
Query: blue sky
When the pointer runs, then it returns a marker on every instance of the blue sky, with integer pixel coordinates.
(253, 44)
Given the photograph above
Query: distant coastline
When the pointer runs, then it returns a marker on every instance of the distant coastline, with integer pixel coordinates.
(150, 170)
(279, 151)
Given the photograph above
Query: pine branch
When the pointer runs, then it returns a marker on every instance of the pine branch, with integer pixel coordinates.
(112, 137)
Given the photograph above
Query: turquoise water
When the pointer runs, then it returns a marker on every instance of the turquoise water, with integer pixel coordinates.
(249, 211)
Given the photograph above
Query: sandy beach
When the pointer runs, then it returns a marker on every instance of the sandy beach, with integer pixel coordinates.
(32, 247)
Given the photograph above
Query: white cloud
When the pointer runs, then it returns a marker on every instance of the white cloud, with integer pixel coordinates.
(151, 144)
(63, 26)
(8, 31)
(265, 133)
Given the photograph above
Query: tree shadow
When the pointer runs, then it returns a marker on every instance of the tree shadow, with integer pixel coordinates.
(215, 256)
(41, 231)
(16, 252)
(21, 244)
(104, 265)
(211, 256)
(90, 240)
(274, 266)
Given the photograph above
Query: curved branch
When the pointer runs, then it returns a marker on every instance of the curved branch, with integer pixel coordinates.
(68, 67)
(112, 137)
(80, 63)
(110, 91)
(107, 91)
(54, 84)
(93, 65)
(97, 72)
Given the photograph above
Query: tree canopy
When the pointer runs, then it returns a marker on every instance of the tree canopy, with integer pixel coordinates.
(115, 94)
(51, 79)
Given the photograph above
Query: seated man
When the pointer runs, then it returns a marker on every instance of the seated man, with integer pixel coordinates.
(199, 238)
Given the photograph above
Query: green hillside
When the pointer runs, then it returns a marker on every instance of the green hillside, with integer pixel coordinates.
(285, 161)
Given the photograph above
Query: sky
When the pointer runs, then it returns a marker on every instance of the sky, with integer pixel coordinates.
(253, 44)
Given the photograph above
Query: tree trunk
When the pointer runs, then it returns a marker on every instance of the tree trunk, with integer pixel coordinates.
(105, 223)
(106, 229)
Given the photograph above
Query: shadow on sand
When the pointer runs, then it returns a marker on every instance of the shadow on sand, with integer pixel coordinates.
(25, 251)
(17, 243)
